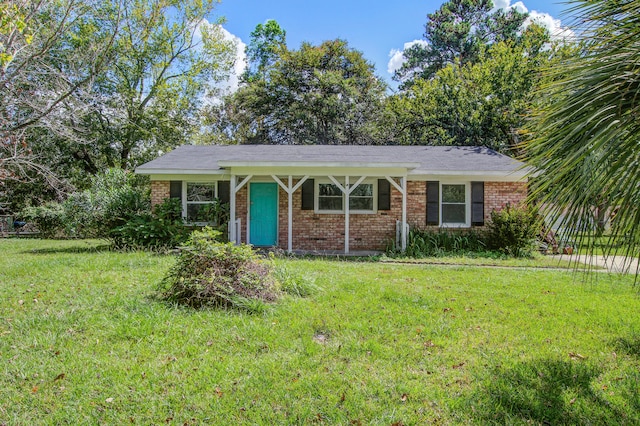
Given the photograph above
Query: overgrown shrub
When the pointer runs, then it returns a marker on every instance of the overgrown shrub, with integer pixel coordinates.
(160, 230)
(49, 218)
(216, 274)
(115, 197)
(441, 242)
(512, 231)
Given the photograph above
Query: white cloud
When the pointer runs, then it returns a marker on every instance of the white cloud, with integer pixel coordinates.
(230, 85)
(240, 64)
(397, 57)
(553, 25)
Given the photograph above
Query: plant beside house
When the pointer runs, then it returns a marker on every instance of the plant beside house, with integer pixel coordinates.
(513, 231)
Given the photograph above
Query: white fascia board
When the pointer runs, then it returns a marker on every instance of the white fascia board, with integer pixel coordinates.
(478, 175)
(312, 170)
(307, 164)
(140, 171)
(200, 177)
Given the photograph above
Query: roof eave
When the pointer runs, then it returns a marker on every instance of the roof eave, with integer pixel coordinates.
(327, 164)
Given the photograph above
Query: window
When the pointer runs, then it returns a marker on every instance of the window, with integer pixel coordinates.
(454, 204)
(331, 198)
(362, 198)
(200, 198)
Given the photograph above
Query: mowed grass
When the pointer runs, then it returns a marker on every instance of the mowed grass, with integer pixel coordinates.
(83, 340)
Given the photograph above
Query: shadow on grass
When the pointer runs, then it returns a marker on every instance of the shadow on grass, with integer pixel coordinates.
(553, 392)
(72, 250)
(629, 345)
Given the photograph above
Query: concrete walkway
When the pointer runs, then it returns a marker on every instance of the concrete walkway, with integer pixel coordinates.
(615, 264)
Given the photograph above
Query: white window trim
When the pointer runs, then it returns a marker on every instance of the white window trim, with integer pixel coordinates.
(316, 197)
(467, 204)
(185, 202)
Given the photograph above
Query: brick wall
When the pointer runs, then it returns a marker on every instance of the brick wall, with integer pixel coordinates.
(160, 190)
(499, 194)
(373, 231)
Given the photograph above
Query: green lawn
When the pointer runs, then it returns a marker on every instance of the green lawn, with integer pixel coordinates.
(83, 341)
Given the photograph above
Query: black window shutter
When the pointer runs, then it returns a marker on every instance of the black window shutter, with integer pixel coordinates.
(223, 191)
(433, 202)
(175, 189)
(307, 194)
(477, 203)
(384, 194)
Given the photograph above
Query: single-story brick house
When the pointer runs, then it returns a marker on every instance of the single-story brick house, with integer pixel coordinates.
(294, 196)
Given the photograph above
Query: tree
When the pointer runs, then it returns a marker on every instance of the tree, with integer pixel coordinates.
(44, 62)
(585, 144)
(165, 58)
(481, 103)
(266, 44)
(458, 32)
(326, 94)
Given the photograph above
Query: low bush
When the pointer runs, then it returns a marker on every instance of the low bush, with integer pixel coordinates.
(425, 242)
(513, 231)
(114, 198)
(48, 218)
(210, 273)
(161, 230)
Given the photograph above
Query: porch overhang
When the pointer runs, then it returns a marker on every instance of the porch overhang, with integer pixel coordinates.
(303, 168)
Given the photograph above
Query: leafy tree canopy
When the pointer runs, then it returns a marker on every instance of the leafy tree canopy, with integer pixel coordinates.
(268, 40)
(458, 32)
(326, 94)
(480, 103)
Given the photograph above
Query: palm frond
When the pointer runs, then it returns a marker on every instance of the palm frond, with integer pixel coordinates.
(586, 144)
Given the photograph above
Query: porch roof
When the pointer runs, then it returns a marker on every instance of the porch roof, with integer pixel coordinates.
(416, 160)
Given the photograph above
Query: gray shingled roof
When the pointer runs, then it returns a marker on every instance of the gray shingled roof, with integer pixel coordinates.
(428, 159)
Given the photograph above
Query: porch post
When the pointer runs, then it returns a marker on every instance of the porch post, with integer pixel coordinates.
(402, 188)
(290, 189)
(290, 218)
(403, 182)
(232, 209)
(346, 215)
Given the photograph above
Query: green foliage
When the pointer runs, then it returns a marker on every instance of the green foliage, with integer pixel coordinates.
(49, 218)
(479, 103)
(163, 229)
(115, 197)
(293, 282)
(586, 139)
(513, 230)
(209, 273)
(441, 242)
(267, 41)
(326, 94)
(458, 32)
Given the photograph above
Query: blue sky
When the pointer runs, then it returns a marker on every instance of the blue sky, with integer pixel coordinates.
(375, 28)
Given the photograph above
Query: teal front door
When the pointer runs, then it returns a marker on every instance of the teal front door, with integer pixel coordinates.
(263, 214)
